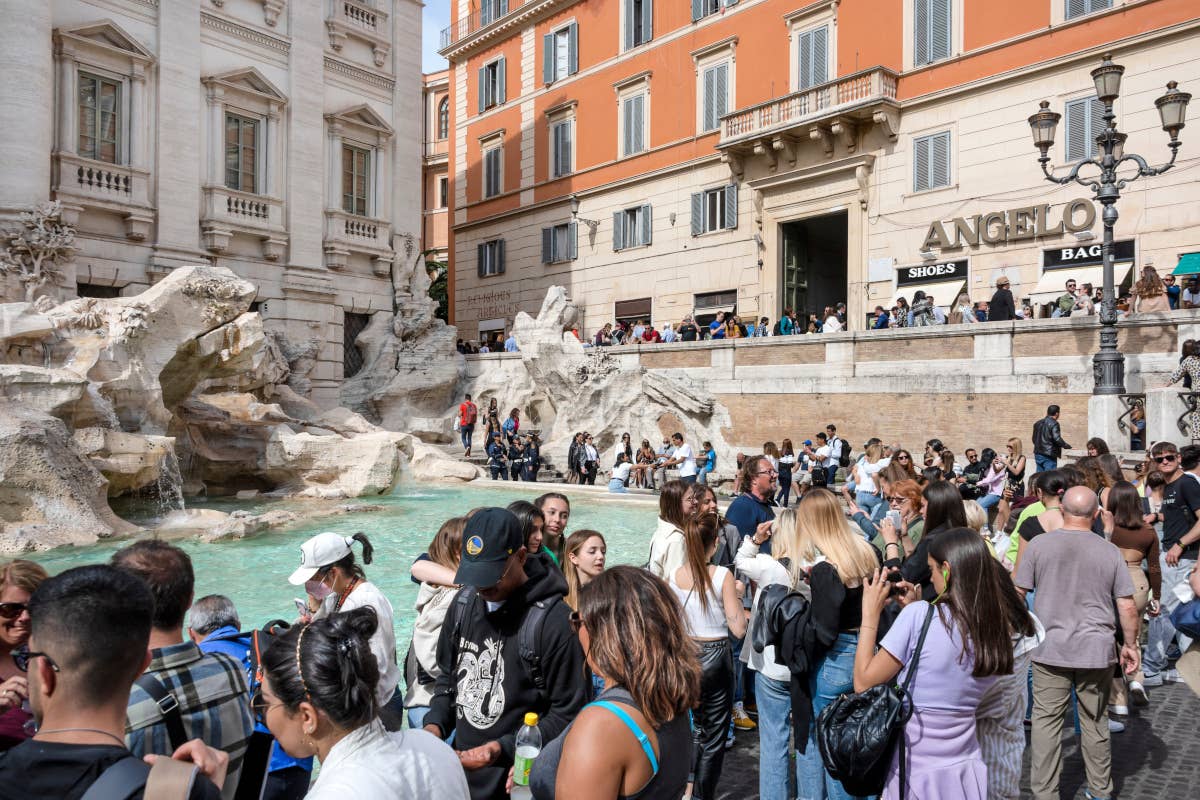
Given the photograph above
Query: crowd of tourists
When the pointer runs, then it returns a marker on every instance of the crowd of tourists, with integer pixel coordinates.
(996, 592)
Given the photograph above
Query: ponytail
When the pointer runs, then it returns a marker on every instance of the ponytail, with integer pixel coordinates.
(367, 549)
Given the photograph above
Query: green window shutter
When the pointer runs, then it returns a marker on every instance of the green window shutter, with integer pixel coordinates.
(501, 89)
(697, 213)
(500, 257)
(646, 226)
(639, 123)
(820, 51)
(618, 230)
(483, 90)
(721, 95)
(573, 240)
(573, 48)
(479, 259)
(921, 149)
(697, 9)
(731, 206)
(922, 10)
(547, 245)
(548, 58)
(629, 10)
(939, 30)
(709, 99)
(805, 60)
(647, 20)
(940, 159)
(1096, 126)
(1076, 137)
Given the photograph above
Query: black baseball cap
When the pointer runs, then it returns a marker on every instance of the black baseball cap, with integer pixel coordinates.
(491, 536)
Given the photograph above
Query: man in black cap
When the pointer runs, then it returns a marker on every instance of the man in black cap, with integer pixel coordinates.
(506, 649)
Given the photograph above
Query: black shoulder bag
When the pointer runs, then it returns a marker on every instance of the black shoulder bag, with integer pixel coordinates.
(857, 733)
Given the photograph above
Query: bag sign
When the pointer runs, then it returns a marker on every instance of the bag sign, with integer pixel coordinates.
(1088, 255)
(932, 273)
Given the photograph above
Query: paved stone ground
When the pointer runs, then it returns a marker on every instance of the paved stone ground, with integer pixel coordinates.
(1156, 758)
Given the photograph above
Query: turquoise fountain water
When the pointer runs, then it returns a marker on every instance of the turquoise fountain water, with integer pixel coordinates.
(253, 572)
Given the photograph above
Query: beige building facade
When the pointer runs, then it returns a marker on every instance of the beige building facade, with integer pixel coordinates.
(435, 166)
(275, 137)
(837, 187)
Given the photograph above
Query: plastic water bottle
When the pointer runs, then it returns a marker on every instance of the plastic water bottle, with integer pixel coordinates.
(529, 744)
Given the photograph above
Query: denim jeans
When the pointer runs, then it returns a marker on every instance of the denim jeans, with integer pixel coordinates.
(834, 676)
(784, 496)
(465, 432)
(617, 486)
(774, 734)
(868, 502)
(988, 501)
(1161, 630)
(831, 475)
(1045, 463)
(702, 476)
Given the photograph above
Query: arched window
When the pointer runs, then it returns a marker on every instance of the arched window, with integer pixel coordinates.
(443, 123)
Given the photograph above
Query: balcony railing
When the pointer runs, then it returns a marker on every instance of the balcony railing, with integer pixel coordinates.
(347, 233)
(242, 210)
(463, 27)
(354, 19)
(828, 99)
(361, 15)
(118, 188)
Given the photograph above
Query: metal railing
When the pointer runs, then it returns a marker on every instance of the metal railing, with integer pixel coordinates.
(463, 27)
(877, 83)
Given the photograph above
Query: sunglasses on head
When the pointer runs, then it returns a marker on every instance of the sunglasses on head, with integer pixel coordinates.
(12, 610)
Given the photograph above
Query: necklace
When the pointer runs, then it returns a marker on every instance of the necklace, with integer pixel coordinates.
(115, 738)
(342, 597)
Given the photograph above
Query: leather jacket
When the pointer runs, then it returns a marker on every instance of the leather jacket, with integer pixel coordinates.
(1047, 438)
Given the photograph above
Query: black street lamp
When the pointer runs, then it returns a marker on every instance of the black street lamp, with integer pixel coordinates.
(1109, 364)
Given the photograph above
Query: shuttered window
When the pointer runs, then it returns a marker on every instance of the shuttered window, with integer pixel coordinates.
(813, 58)
(1078, 8)
(1084, 122)
(491, 84)
(714, 210)
(491, 258)
(639, 22)
(633, 125)
(559, 243)
(562, 152)
(714, 100)
(631, 227)
(931, 31)
(560, 53)
(704, 8)
(99, 118)
(931, 161)
(492, 10)
(492, 169)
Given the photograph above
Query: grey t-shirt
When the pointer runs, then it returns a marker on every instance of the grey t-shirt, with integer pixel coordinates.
(1077, 577)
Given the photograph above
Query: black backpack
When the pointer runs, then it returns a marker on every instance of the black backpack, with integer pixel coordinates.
(528, 636)
(843, 453)
(857, 733)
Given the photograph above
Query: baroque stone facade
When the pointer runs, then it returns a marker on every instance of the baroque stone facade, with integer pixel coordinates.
(279, 139)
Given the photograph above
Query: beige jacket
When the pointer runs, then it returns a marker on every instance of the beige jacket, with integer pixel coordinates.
(433, 602)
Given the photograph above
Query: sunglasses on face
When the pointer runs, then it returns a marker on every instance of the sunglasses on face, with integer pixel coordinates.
(12, 610)
(895, 499)
(1166, 459)
(903, 458)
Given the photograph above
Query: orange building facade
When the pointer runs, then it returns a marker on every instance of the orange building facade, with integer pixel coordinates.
(669, 158)
(435, 167)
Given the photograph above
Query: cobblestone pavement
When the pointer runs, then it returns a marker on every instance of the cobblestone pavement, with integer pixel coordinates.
(1157, 757)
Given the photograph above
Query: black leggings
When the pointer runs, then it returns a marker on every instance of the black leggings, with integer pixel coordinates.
(710, 720)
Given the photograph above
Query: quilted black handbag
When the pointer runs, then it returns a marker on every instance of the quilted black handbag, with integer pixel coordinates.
(857, 733)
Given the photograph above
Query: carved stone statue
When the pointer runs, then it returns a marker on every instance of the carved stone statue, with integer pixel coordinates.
(37, 250)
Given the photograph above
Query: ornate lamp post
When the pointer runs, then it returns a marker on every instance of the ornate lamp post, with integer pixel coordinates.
(1109, 363)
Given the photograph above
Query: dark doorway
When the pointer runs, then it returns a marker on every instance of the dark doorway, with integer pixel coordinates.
(814, 264)
(352, 326)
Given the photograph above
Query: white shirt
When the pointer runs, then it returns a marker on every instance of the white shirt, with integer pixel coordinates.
(687, 466)
(826, 459)
(621, 472)
(866, 473)
(372, 763)
(1191, 297)
(383, 642)
(831, 325)
(835, 448)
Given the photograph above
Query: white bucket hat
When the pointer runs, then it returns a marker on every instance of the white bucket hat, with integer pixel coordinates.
(320, 551)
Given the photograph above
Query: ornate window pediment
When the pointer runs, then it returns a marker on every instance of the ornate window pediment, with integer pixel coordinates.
(104, 43)
(363, 120)
(249, 84)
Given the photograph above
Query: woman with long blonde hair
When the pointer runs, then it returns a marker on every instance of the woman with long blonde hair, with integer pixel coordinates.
(785, 566)
(585, 551)
(1014, 485)
(842, 561)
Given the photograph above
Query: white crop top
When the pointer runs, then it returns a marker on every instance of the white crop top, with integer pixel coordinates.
(702, 624)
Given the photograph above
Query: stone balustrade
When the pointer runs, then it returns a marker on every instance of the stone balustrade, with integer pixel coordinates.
(227, 212)
(124, 190)
(347, 233)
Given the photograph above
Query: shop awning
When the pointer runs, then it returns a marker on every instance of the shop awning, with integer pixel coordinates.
(1189, 264)
(943, 293)
(1053, 283)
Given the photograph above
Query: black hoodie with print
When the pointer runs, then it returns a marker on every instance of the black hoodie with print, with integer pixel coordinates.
(485, 687)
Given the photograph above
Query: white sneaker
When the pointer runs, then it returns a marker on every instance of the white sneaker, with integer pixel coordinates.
(1137, 693)
(1115, 727)
(1120, 711)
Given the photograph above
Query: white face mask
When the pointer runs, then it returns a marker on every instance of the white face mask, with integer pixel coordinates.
(317, 589)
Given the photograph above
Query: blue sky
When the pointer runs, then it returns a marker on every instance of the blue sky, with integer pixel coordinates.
(437, 17)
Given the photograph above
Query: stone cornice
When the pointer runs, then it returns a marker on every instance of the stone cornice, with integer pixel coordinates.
(532, 11)
(223, 24)
(359, 74)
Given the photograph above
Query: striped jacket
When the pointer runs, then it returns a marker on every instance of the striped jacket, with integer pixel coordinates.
(214, 702)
